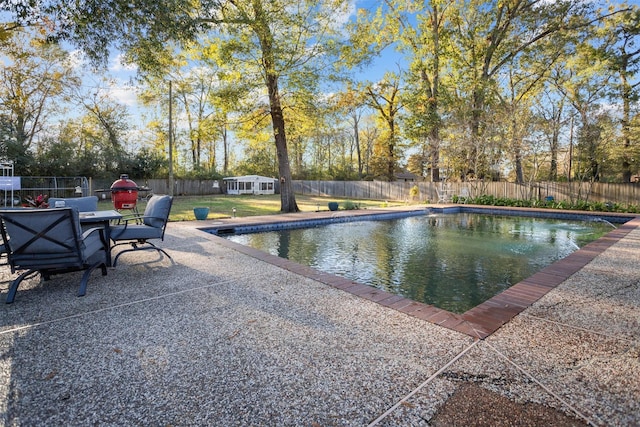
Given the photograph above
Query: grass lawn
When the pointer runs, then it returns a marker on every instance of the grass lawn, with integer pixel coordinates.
(221, 206)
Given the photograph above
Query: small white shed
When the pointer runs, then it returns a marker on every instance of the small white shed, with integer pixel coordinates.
(250, 184)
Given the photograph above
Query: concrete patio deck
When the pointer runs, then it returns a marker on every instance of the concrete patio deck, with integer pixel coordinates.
(223, 338)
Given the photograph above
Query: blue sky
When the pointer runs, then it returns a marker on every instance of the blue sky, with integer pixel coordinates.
(122, 91)
(120, 77)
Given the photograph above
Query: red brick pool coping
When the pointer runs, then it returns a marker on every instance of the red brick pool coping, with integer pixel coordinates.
(478, 322)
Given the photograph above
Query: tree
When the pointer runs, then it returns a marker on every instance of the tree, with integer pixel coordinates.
(474, 73)
(352, 103)
(147, 164)
(425, 44)
(583, 84)
(420, 30)
(34, 84)
(23, 12)
(370, 136)
(490, 35)
(227, 103)
(384, 97)
(550, 117)
(618, 47)
(293, 44)
(522, 86)
(260, 158)
(281, 36)
(193, 93)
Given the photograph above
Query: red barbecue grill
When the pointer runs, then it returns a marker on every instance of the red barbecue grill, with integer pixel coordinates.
(124, 193)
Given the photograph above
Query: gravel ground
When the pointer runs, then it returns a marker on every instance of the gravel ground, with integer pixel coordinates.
(219, 338)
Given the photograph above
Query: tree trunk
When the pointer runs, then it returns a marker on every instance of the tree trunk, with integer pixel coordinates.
(626, 131)
(225, 145)
(434, 114)
(516, 145)
(434, 119)
(391, 148)
(263, 31)
(553, 148)
(356, 135)
(554, 144)
(518, 162)
(287, 197)
(473, 163)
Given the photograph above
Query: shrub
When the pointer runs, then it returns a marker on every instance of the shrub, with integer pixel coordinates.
(348, 205)
(580, 205)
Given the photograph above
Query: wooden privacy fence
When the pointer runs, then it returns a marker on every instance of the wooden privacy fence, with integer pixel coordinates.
(185, 187)
(427, 191)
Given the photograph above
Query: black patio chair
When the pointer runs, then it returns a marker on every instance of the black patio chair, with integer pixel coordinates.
(49, 242)
(136, 230)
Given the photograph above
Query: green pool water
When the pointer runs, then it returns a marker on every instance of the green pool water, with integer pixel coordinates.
(452, 261)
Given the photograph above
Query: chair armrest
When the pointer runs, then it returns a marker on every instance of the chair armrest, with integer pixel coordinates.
(131, 217)
(123, 223)
(152, 217)
(139, 219)
(89, 233)
(86, 233)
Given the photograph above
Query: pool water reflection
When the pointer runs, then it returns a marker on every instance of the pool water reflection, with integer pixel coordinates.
(453, 261)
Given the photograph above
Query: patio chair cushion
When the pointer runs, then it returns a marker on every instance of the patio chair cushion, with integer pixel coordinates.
(157, 211)
(92, 242)
(135, 232)
(61, 236)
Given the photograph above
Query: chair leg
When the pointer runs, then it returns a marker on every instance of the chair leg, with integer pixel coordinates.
(11, 295)
(161, 250)
(138, 248)
(85, 277)
(114, 263)
(134, 246)
(166, 254)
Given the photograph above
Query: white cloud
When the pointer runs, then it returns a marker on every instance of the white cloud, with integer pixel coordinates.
(342, 16)
(76, 59)
(123, 93)
(117, 85)
(118, 65)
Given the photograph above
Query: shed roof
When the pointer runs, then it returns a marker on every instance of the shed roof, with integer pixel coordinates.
(249, 178)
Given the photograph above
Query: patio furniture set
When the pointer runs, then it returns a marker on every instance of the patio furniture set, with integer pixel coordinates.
(73, 235)
(445, 194)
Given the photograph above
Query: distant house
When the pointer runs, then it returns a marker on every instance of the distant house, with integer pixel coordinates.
(407, 177)
(250, 184)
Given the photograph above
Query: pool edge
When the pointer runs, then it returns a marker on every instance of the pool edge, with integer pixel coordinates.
(478, 322)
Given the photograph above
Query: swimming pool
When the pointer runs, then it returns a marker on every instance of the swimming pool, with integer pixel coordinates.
(452, 261)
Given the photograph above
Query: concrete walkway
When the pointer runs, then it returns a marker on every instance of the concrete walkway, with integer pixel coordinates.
(224, 339)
